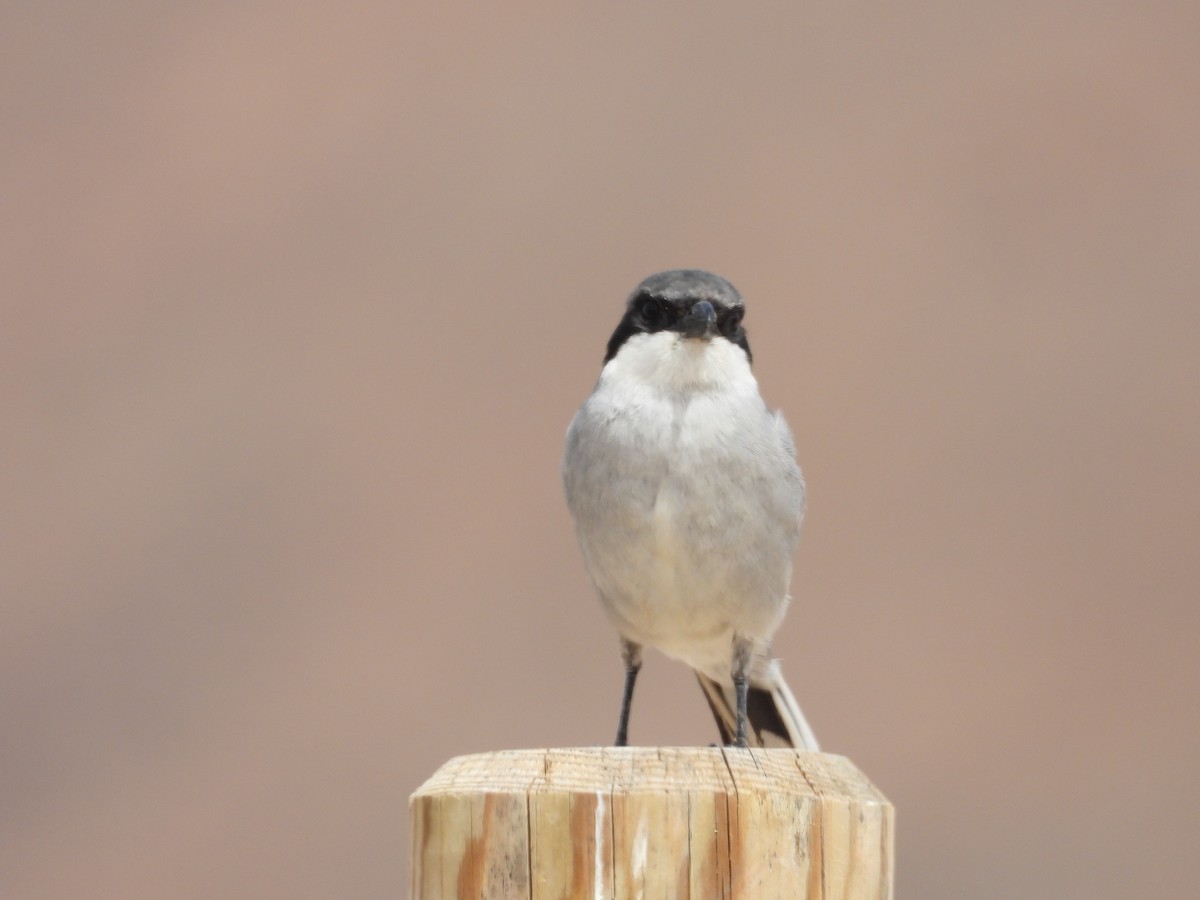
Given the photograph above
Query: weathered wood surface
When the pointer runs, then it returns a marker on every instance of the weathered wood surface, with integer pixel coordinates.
(641, 822)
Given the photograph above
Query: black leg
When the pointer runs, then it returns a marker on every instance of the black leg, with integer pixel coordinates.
(741, 687)
(631, 653)
(743, 694)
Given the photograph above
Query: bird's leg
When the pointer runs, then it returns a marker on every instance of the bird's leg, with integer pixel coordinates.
(631, 653)
(741, 688)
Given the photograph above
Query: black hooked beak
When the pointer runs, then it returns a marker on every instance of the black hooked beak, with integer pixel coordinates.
(701, 322)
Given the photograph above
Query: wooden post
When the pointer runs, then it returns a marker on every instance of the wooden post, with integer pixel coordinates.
(610, 823)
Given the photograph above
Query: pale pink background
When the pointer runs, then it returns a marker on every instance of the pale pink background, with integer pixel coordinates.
(299, 298)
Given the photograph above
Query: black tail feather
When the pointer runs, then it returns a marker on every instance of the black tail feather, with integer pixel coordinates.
(765, 709)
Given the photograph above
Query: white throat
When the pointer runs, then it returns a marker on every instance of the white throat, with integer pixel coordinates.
(673, 363)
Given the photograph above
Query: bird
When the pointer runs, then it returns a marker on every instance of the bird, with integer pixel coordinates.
(687, 502)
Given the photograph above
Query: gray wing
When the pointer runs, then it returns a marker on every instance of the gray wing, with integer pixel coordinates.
(794, 476)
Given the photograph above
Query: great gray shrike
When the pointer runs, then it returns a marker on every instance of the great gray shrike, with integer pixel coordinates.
(687, 502)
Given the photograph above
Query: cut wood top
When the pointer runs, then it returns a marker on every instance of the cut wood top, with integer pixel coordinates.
(639, 769)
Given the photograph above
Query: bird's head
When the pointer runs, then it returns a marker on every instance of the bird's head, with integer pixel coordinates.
(688, 303)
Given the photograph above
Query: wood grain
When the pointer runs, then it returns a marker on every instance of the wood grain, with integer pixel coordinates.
(611, 823)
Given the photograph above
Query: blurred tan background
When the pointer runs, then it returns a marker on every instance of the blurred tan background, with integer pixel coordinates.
(298, 300)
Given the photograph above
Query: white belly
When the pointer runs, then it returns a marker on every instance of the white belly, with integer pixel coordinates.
(687, 505)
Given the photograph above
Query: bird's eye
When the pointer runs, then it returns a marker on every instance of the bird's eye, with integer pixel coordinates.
(730, 322)
(653, 313)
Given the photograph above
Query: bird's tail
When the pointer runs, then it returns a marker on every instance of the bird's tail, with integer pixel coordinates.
(775, 719)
